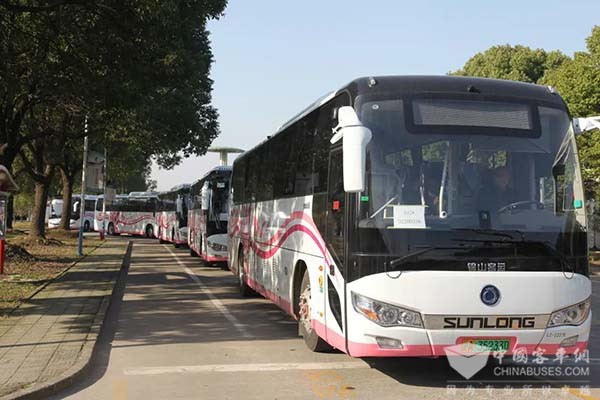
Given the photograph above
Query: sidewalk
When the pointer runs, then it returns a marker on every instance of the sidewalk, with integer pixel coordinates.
(51, 336)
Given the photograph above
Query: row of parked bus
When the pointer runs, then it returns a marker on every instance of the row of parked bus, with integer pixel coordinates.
(401, 216)
(195, 215)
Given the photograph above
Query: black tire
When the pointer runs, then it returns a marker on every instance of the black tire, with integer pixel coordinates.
(86, 226)
(111, 229)
(313, 341)
(193, 253)
(245, 290)
(149, 231)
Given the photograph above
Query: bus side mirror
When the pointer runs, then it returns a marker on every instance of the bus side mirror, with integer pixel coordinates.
(355, 138)
(205, 198)
(581, 125)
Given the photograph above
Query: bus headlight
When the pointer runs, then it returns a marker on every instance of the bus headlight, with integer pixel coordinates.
(573, 315)
(216, 246)
(385, 314)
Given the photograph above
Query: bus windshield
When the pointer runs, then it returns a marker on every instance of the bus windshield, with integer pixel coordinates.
(473, 183)
(219, 198)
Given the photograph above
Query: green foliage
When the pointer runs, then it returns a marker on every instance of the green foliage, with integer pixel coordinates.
(577, 80)
(518, 63)
(138, 69)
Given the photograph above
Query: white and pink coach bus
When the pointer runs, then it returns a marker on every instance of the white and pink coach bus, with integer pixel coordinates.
(133, 214)
(172, 215)
(399, 216)
(75, 220)
(208, 215)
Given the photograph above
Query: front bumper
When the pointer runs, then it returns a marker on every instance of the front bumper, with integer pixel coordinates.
(417, 342)
(452, 294)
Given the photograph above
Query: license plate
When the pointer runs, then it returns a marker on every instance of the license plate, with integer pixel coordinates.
(489, 344)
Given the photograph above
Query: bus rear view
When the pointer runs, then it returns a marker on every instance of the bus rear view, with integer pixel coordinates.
(419, 213)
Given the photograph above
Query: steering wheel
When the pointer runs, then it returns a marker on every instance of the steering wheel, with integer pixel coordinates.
(518, 204)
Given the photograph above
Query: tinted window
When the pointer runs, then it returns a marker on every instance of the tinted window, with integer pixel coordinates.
(239, 180)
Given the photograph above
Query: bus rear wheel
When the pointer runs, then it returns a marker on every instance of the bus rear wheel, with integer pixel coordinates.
(86, 226)
(313, 341)
(149, 231)
(245, 290)
(111, 229)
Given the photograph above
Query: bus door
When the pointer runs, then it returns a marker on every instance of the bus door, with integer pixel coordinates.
(336, 239)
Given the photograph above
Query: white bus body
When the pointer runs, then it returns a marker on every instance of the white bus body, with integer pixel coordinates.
(208, 215)
(437, 250)
(133, 214)
(172, 215)
(53, 209)
(74, 223)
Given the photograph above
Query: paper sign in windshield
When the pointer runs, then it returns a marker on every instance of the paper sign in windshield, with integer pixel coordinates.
(409, 217)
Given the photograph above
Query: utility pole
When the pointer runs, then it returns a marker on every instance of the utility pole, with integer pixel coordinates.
(83, 184)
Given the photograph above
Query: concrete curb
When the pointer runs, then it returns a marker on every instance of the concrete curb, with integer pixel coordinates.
(78, 371)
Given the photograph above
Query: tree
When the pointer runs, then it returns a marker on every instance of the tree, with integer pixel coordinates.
(41, 170)
(138, 69)
(517, 63)
(69, 163)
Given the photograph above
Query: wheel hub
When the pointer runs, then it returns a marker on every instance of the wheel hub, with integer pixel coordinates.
(304, 309)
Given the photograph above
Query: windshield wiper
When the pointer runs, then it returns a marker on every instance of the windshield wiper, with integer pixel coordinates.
(490, 232)
(427, 249)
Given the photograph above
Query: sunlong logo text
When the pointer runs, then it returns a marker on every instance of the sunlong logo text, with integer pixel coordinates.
(516, 322)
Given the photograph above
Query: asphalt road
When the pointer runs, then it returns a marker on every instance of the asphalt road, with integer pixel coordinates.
(181, 331)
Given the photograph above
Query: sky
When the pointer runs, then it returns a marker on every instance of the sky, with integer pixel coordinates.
(273, 58)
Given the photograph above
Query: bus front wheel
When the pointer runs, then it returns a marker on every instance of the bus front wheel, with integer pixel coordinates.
(86, 226)
(149, 231)
(313, 341)
(111, 229)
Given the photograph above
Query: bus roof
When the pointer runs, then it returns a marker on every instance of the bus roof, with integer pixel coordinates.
(143, 194)
(412, 84)
(179, 187)
(219, 168)
(453, 84)
(118, 196)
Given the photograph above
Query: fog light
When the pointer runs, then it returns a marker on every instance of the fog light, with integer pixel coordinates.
(389, 343)
(570, 341)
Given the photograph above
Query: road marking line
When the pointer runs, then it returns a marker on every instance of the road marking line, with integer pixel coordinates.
(216, 302)
(186, 369)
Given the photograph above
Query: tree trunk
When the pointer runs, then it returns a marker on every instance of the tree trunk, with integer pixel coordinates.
(67, 182)
(10, 211)
(38, 216)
